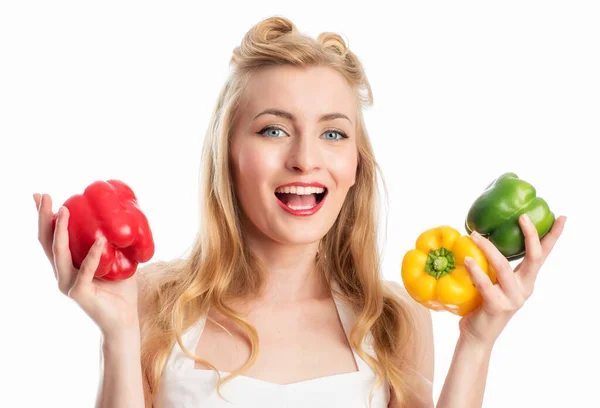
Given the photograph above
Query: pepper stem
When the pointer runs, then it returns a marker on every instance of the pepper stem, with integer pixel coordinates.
(440, 262)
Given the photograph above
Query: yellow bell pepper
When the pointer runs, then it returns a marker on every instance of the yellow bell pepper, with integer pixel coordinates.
(434, 273)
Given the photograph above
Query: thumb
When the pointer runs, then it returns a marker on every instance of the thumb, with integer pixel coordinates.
(86, 272)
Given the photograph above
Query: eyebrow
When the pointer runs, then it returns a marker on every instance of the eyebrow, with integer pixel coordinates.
(288, 115)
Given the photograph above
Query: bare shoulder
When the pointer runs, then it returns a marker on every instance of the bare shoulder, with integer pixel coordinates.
(143, 275)
(145, 284)
(422, 314)
(151, 276)
(396, 288)
(421, 352)
(148, 278)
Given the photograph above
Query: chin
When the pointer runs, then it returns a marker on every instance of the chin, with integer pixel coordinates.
(298, 235)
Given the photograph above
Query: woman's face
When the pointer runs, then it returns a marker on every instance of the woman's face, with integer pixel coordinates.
(293, 152)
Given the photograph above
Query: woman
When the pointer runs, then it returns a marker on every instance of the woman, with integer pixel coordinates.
(286, 257)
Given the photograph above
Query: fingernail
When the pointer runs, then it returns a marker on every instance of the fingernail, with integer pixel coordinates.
(475, 235)
(526, 218)
(468, 260)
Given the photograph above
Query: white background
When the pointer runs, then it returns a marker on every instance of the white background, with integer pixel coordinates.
(464, 91)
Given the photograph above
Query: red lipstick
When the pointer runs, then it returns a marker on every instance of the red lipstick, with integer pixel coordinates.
(308, 211)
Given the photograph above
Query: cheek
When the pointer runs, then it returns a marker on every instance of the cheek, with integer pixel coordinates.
(342, 166)
(255, 164)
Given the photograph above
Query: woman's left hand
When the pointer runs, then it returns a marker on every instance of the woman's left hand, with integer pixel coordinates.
(502, 300)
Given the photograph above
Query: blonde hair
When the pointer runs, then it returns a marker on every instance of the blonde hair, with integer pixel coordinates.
(220, 267)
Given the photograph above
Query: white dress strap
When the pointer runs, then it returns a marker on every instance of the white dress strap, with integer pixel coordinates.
(348, 317)
(178, 359)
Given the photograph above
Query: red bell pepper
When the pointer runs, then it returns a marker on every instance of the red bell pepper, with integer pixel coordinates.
(109, 208)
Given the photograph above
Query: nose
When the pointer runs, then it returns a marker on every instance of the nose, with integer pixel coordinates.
(305, 154)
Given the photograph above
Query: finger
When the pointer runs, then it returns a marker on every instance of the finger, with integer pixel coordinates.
(85, 275)
(532, 263)
(45, 235)
(504, 273)
(37, 198)
(481, 281)
(63, 261)
(529, 267)
(551, 237)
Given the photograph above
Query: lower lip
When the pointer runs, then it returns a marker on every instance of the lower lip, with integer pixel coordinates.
(309, 211)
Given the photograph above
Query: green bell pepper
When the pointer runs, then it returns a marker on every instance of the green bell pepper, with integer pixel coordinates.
(495, 214)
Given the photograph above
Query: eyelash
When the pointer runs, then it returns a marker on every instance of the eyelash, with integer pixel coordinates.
(263, 130)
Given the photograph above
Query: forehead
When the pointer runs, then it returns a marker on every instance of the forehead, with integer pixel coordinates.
(307, 92)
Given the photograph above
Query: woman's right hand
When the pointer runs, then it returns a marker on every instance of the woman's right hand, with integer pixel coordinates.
(111, 305)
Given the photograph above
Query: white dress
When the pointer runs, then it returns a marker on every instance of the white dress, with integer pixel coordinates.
(184, 386)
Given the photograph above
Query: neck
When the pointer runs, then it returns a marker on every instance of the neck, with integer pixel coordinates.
(291, 274)
(291, 271)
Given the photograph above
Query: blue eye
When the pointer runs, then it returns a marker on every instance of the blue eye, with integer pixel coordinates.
(333, 132)
(271, 131)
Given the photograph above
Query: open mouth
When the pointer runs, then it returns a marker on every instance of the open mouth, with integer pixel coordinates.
(301, 198)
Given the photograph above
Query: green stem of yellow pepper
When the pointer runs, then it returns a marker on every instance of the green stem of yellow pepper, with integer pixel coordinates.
(439, 263)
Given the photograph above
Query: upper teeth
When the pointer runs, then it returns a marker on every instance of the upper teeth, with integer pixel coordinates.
(300, 190)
